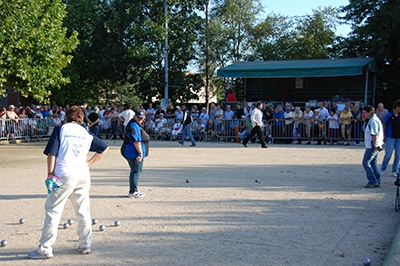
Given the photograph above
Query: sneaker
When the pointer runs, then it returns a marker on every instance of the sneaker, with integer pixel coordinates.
(394, 174)
(37, 255)
(244, 144)
(137, 194)
(369, 185)
(84, 251)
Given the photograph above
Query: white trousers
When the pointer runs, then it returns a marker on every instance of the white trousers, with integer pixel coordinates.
(76, 188)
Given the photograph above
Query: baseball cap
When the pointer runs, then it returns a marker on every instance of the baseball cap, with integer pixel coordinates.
(12, 106)
(139, 114)
(203, 108)
(178, 107)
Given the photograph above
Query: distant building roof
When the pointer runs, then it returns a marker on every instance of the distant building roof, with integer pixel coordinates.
(298, 68)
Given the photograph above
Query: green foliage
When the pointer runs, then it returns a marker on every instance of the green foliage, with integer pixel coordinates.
(375, 33)
(283, 38)
(34, 47)
(122, 48)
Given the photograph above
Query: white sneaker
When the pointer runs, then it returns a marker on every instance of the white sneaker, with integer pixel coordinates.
(394, 174)
(84, 251)
(137, 194)
(37, 255)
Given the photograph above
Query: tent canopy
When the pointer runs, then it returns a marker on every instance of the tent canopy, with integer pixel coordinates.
(298, 68)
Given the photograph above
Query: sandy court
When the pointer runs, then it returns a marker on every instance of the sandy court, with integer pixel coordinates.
(310, 209)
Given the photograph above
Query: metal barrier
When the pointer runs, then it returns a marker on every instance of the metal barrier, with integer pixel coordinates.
(26, 128)
(318, 132)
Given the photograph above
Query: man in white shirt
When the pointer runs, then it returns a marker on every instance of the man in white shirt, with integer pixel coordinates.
(256, 120)
(323, 111)
(373, 136)
(204, 116)
(228, 114)
(67, 162)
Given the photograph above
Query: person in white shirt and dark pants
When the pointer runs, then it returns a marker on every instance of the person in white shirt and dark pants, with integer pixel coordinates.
(256, 120)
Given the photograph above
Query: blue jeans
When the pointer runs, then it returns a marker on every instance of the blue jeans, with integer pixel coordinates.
(390, 145)
(370, 164)
(134, 176)
(94, 130)
(187, 130)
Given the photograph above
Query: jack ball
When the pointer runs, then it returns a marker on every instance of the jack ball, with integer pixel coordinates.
(367, 262)
(4, 243)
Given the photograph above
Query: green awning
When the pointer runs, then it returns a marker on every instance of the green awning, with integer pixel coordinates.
(298, 68)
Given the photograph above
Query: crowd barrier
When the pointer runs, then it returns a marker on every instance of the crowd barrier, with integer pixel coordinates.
(25, 128)
(318, 132)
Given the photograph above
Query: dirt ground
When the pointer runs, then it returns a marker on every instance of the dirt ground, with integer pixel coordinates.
(310, 209)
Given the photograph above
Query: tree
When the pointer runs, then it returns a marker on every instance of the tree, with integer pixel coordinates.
(34, 47)
(122, 48)
(283, 38)
(375, 33)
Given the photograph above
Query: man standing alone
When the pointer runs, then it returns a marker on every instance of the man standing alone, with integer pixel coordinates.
(256, 120)
(373, 131)
(187, 123)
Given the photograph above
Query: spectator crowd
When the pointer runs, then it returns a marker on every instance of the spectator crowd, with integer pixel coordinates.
(229, 122)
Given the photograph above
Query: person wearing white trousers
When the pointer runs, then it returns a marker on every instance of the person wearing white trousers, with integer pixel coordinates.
(66, 152)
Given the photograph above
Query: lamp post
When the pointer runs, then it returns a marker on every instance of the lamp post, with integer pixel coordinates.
(166, 49)
(207, 54)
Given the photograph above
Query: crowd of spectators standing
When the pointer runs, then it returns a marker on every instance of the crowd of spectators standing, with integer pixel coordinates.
(228, 122)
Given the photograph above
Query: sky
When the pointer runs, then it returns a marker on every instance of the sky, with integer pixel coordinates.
(300, 8)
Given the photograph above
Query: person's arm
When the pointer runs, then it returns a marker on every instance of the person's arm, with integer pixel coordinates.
(51, 161)
(374, 141)
(97, 156)
(138, 147)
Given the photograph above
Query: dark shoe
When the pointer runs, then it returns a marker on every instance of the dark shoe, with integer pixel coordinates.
(299, 142)
(264, 146)
(377, 185)
(347, 144)
(193, 145)
(244, 144)
(180, 142)
(370, 185)
(308, 143)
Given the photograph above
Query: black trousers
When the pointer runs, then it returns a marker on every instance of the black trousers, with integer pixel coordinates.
(255, 130)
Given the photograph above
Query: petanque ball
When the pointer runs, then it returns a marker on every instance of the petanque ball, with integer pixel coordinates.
(367, 262)
(94, 221)
(70, 221)
(102, 227)
(22, 221)
(257, 180)
(65, 225)
(117, 223)
(259, 183)
(4, 243)
(187, 180)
